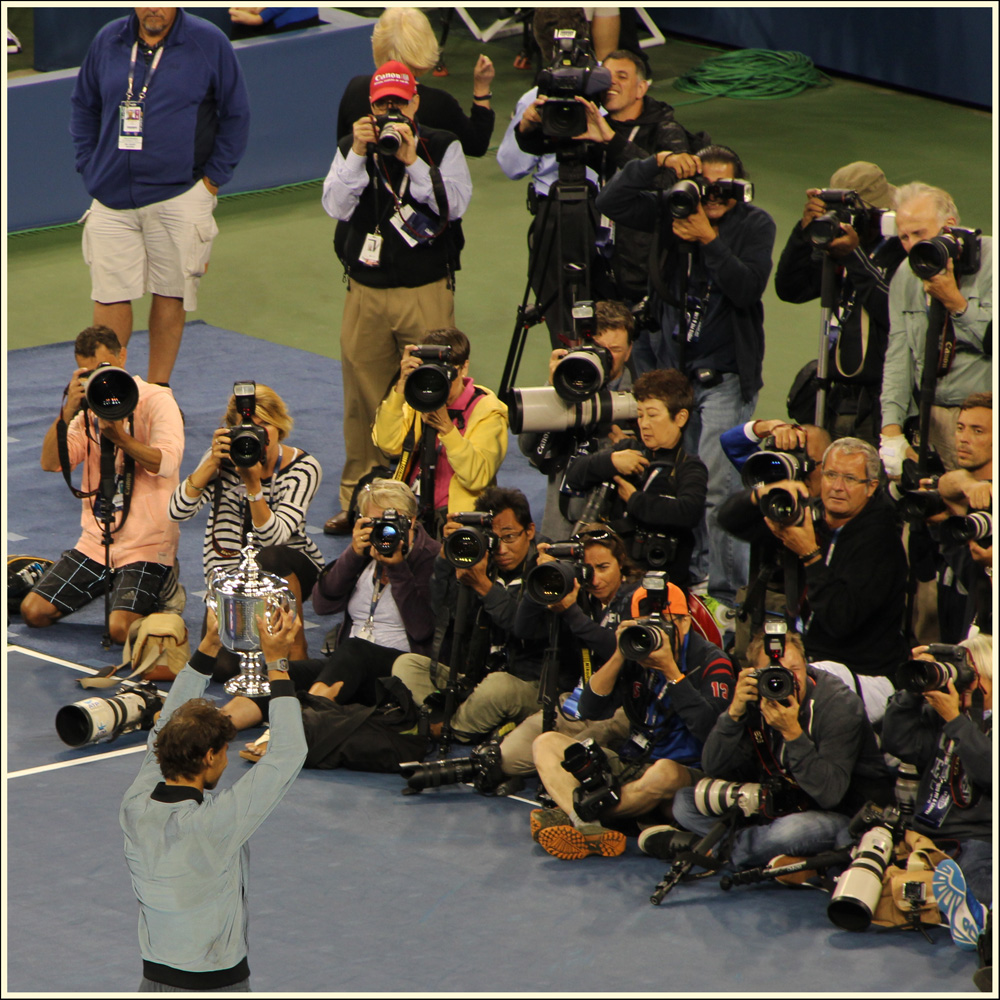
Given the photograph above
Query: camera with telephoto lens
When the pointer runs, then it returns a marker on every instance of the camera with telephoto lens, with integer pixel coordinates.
(961, 246)
(843, 207)
(574, 73)
(473, 541)
(950, 663)
(387, 135)
(598, 789)
(389, 532)
(654, 630)
(859, 888)
(101, 720)
(683, 199)
(775, 682)
(247, 441)
(770, 799)
(481, 767)
(538, 409)
(768, 466)
(109, 392)
(918, 505)
(551, 582)
(976, 526)
(582, 372)
(428, 386)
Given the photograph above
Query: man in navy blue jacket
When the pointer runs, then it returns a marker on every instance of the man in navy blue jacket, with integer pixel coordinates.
(160, 120)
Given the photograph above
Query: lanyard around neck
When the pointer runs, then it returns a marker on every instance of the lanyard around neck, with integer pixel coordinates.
(149, 76)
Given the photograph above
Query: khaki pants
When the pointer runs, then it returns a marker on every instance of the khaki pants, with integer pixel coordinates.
(378, 323)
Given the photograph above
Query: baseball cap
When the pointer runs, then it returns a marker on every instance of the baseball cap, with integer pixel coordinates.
(676, 601)
(869, 182)
(392, 80)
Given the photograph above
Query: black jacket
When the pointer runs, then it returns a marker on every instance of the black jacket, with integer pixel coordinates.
(737, 265)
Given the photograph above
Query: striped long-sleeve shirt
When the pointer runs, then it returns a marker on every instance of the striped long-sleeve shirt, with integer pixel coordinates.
(288, 493)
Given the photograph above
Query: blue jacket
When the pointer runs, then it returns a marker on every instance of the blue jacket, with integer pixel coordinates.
(196, 113)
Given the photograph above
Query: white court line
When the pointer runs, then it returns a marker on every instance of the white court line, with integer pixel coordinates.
(73, 763)
(51, 659)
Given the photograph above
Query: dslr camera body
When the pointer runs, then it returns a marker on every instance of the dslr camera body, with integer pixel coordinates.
(428, 386)
(961, 246)
(843, 207)
(388, 138)
(654, 630)
(390, 532)
(552, 582)
(574, 72)
(683, 199)
(247, 441)
(473, 541)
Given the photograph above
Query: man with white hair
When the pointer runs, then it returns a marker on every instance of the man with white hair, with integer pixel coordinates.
(853, 562)
(925, 213)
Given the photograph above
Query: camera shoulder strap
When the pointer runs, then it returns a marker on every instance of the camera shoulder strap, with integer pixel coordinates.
(64, 463)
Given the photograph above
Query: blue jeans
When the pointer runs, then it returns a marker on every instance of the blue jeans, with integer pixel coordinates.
(976, 862)
(718, 555)
(799, 834)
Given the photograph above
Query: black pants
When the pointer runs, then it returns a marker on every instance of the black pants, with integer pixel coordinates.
(356, 662)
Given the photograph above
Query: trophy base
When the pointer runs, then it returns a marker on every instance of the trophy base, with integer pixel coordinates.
(249, 685)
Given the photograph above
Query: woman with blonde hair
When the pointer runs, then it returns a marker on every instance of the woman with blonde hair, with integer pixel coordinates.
(269, 498)
(403, 34)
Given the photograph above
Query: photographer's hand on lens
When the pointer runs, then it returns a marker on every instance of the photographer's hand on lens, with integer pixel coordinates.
(845, 245)
(407, 152)
(543, 553)
(74, 394)
(662, 660)
(278, 630)
(815, 207)
(629, 462)
(784, 718)
(554, 358)
(798, 538)
(684, 165)
(947, 703)
(944, 288)
(745, 693)
(360, 534)
(476, 577)
(984, 557)
(532, 117)
(696, 228)
(113, 430)
(364, 135)
(407, 366)
(568, 601)
(439, 420)
(598, 130)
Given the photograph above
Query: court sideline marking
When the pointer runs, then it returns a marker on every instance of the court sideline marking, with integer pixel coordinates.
(79, 760)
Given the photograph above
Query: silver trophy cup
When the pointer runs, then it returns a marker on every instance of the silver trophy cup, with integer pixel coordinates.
(237, 596)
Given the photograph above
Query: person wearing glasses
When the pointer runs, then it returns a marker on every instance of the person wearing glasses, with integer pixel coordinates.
(508, 693)
(849, 546)
(398, 191)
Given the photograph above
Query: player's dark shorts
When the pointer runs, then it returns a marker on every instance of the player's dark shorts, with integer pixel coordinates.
(76, 580)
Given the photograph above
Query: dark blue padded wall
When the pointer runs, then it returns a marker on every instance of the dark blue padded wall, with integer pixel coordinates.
(295, 82)
(941, 51)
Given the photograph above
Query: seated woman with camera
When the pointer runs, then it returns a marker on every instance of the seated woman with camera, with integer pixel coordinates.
(382, 583)
(661, 488)
(255, 482)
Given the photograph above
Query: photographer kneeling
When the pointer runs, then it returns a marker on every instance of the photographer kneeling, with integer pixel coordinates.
(941, 722)
(257, 483)
(661, 487)
(671, 695)
(801, 733)
(452, 446)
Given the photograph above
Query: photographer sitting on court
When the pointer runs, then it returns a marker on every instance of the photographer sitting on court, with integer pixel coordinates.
(266, 490)
(145, 449)
(801, 733)
(661, 488)
(452, 452)
(851, 555)
(671, 696)
(551, 451)
(942, 723)
(509, 690)
(842, 225)
(588, 618)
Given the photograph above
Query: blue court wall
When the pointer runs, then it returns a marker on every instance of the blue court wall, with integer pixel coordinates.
(944, 52)
(295, 82)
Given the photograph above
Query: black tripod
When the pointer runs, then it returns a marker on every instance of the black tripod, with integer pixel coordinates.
(564, 228)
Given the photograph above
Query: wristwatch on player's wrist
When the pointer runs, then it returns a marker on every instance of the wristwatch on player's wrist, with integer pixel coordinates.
(279, 664)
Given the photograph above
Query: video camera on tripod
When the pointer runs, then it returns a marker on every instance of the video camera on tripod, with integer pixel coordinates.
(574, 72)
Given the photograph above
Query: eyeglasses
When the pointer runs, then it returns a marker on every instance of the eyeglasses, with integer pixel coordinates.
(594, 535)
(510, 538)
(847, 479)
(385, 103)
